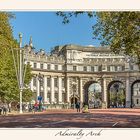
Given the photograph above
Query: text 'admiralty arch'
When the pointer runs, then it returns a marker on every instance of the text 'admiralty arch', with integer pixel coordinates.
(92, 75)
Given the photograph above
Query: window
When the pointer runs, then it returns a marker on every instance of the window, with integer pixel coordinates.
(123, 68)
(119, 68)
(74, 68)
(49, 97)
(96, 68)
(131, 67)
(48, 82)
(34, 81)
(100, 68)
(116, 68)
(56, 67)
(108, 68)
(63, 83)
(85, 68)
(112, 68)
(56, 97)
(137, 101)
(35, 65)
(63, 97)
(49, 66)
(63, 67)
(41, 81)
(92, 68)
(41, 66)
(55, 82)
(103, 68)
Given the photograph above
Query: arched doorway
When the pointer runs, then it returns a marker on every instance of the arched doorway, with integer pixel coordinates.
(74, 101)
(116, 95)
(92, 94)
(135, 90)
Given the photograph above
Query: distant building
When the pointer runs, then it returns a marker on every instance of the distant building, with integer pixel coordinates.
(68, 71)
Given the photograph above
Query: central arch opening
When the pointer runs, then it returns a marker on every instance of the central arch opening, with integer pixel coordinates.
(92, 94)
(135, 96)
(116, 95)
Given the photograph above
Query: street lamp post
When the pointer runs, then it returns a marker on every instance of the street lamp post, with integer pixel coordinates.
(73, 94)
(21, 73)
(19, 69)
(73, 101)
(40, 78)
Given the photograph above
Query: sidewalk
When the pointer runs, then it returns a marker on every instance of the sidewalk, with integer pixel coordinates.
(43, 112)
(67, 111)
(18, 113)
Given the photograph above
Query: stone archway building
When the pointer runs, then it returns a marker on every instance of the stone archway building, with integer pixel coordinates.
(68, 68)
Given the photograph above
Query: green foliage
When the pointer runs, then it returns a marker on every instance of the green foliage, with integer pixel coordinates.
(117, 97)
(97, 95)
(9, 90)
(67, 15)
(27, 95)
(119, 30)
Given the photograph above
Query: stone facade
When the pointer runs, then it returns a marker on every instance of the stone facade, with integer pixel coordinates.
(69, 70)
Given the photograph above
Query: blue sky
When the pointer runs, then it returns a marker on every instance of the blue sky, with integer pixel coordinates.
(48, 31)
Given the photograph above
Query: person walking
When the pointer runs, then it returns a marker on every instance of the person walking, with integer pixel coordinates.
(5, 109)
(36, 107)
(78, 106)
(0, 109)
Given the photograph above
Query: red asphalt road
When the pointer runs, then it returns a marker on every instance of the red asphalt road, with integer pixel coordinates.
(103, 118)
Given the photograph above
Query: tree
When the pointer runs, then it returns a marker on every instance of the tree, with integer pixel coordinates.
(9, 90)
(6, 40)
(119, 30)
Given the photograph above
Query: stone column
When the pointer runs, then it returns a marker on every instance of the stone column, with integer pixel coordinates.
(81, 90)
(45, 89)
(68, 90)
(128, 93)
(104, 93)
(52, 89)
(38, 87)
(60, 89)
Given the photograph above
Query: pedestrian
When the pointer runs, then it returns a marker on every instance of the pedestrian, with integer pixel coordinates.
(5, 109)
(35, 107)
(18, 107)
(26, 107)
(30, 107)
(9, 107)
(0, 109)
(78, 106)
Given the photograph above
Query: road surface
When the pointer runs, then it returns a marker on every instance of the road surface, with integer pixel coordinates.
(97, 118)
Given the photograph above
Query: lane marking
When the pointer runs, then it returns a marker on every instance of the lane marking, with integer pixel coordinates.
(114, 124)
(39, 125)
(51, 123)
(58, 122)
